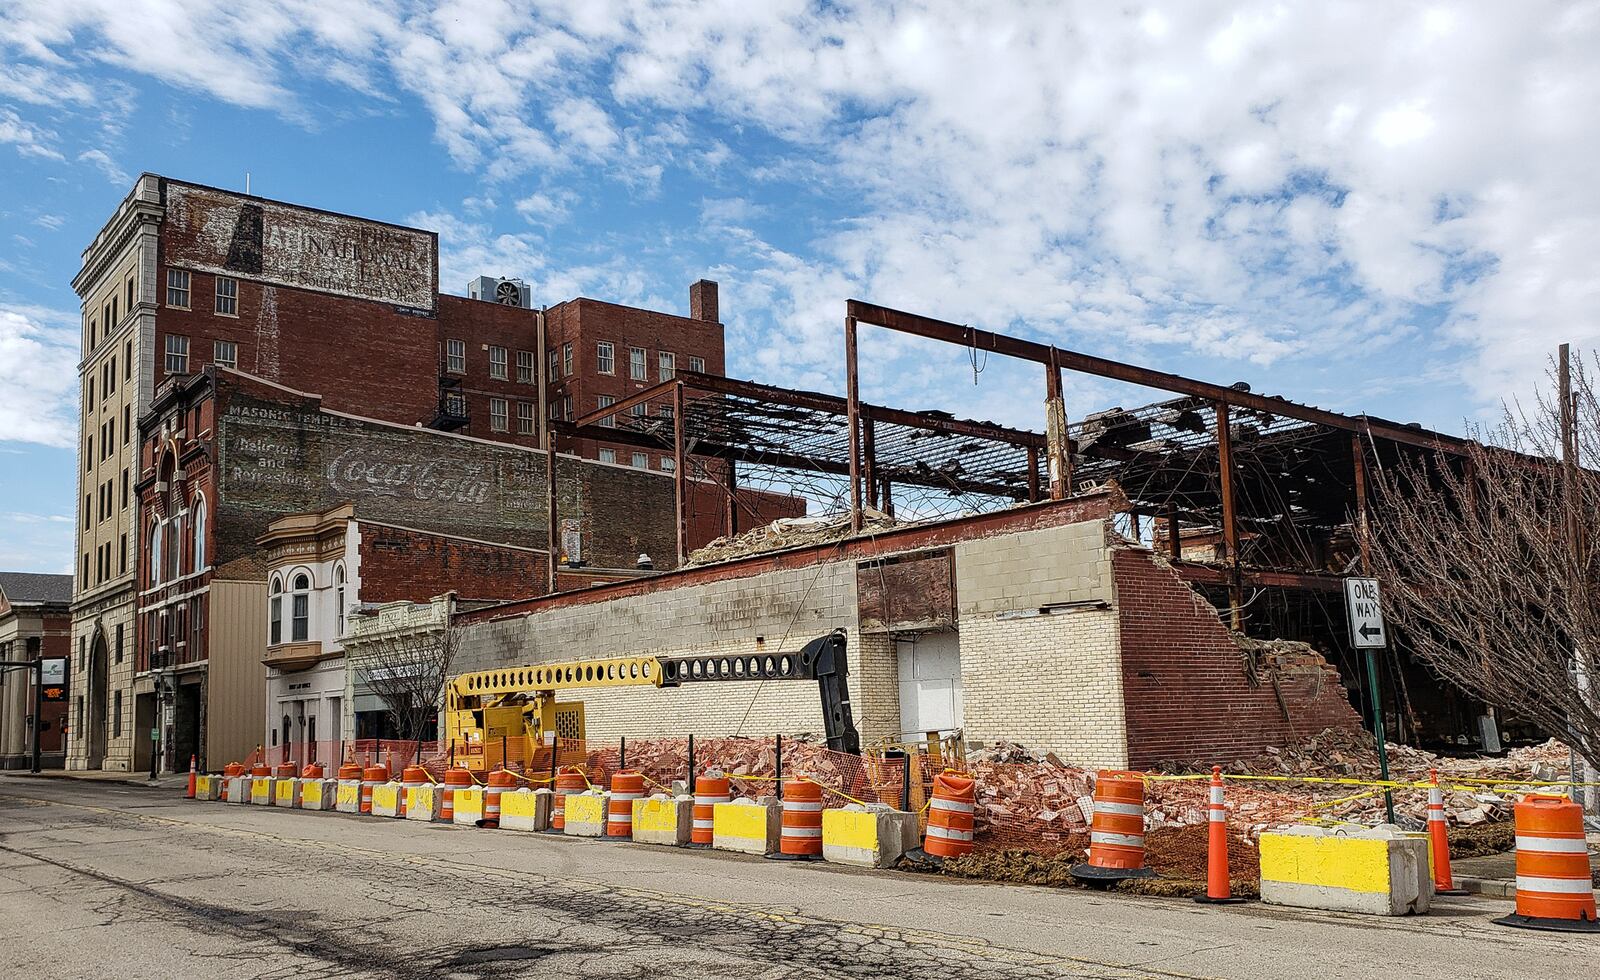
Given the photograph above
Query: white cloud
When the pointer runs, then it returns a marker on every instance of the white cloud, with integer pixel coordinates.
(29, 141)
(38, 375)
(100, 159)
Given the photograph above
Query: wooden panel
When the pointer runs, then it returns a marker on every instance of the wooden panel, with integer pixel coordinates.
(236, 702)
(907, 592)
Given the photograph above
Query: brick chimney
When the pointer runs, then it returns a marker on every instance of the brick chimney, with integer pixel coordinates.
(703, 301)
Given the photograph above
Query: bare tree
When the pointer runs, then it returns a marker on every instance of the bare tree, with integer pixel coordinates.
(408, 670)
(1488, 565)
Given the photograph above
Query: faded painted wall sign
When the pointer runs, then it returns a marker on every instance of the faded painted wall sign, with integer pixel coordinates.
(214, 231)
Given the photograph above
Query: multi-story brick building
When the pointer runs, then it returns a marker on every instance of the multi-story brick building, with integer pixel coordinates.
(184, 277)
(35, 624)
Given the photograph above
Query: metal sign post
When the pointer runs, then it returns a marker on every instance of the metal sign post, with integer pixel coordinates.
(1364, 607)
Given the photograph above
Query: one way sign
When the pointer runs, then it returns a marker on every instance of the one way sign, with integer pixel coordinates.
(1361, 602)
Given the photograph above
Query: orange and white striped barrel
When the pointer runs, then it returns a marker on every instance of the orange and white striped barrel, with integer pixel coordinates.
(411, 778)
(229, 771)
(1116, 834)
(371, 776)
(950, 812)
(499, 781)
(709, 790)
(569, 779)
(1554, 884)
(454, 779)
(626, 786)
(802, 819)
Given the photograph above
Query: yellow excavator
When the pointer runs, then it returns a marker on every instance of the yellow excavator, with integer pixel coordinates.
(513, 710)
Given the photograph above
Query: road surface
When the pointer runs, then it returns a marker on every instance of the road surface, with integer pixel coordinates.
(110, 880)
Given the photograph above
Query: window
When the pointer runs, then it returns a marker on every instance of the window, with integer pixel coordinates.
(119, 643)
(127, 360)
(455, 403)
(636, 363)
(605, 357)
(122, 561)
(497, 363)
(300, 615)
(178, 288)
(94, 332)
(497, 414)
(127, 417)
(227, 296)
(85, 575)
(91, 394)
(110, 439)
(199, 533)
(155, 555)
(111, 376)
(88, 454)
(566, 407)
(641, 461)
(338, 597)
(668, 464)
(455, 356)
(275, 612)
(130, 294)
(87, 519)
(608, 455)
(640, 410)
(566, 360)
(697, 364)
(666, 411)
(177, 354)
(668, 362)
(555, 363)
(116, 714)
(525, 418)
(525, 367)
(606, 401)
(225, 353)
(124, 486)
(114, 318)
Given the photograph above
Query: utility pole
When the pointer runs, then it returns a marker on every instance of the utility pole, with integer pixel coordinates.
(1575, 540)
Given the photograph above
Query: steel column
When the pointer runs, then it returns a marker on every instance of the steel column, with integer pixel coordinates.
(869, 462)
(680, 485)
(1230, 517)
(1033, 475)
(853, 416)
(730, 513)
(1059, 444)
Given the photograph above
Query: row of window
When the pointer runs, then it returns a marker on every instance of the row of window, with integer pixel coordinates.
(640, 460)
(224, 353)
(107, 501)
(108, 375)
(225, 295)
(102, 561)
(108, 436)
(499, 417)
(167, 539)
(176, 628)
(455, 362)
(111, 312)
(299, 585)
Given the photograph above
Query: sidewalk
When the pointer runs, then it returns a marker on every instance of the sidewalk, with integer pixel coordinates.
(105, 776)
(1494, 875)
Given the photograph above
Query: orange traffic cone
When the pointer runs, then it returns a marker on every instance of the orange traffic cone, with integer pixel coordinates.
(1444, 882)
(190, 793)
(1219, 889)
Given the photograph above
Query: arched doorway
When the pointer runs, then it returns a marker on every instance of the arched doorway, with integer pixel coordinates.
(99, 695)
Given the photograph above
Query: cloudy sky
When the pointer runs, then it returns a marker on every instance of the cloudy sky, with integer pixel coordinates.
(1387, 207)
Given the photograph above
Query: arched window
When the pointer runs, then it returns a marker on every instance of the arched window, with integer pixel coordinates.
(275, 611)
(155, 555)
(174, 549)
(199, 532)
(300, 615)
(338, 596)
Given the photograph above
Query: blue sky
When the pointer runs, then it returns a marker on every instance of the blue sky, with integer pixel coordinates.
(1385, 208)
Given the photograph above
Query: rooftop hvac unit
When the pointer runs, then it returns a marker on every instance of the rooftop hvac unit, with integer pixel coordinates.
(506, 292)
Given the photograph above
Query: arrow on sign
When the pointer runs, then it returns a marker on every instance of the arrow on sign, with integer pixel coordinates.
(1368, 632)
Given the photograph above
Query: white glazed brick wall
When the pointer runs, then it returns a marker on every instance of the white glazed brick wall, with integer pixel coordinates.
(716, 617)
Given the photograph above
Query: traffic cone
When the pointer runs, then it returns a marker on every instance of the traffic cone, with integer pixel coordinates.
(190, 793)
(1439, 836)
(1219, 889)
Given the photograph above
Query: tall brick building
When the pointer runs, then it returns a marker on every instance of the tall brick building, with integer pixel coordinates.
(183, 277)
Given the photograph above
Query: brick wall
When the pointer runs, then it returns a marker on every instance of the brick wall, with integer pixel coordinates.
(400, 563)
(480, 325)
(1187, 698)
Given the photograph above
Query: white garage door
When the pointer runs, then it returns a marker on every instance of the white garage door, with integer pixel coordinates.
(930, 683)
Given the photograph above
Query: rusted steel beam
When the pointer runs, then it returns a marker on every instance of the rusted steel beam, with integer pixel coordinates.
(1058, 443)
(1363, 530)
(730, 513)
(1033, 475)
(853, 415)
(1230, 521)
(869, 462)
(1261, 578)
(680, 485)
(1174, 533)
(984, 340)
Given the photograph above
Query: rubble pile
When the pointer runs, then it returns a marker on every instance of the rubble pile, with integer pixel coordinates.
(787, 532)
(666, 759)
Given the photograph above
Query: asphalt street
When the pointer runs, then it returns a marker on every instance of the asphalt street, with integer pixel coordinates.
(110, 880)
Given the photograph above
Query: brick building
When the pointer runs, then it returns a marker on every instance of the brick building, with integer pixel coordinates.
(1038, 623)
(183, 277)
(35, 624)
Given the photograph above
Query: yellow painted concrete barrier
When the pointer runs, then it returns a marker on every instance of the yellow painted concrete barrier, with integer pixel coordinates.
(208, 788)
(386, 799)
(318, 794)
(586, 814)
(662, 819)
(238, 788)
(348, 797)
(1380, 871)
(747, 826)
(425, 802)
(468, 803)
(286, 792)
(525, 809)
(261, 790)
(867, 837)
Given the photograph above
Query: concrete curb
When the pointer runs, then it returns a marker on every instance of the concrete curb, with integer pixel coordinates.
(1490, 887)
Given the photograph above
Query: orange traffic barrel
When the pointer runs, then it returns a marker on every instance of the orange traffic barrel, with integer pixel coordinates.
(260, 769)
(411, 778)
(499, 781)
(283, 770)
(1555, 890)
(371, 777)
(233, 769)
(1116, 834)
(627, 785)
(709, 790)
(454, 779)
(801, 835)
(313, 770)
(950, 813)
(569, 779)
(349, 773)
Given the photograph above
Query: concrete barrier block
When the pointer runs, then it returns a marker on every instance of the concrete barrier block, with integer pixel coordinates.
(386, 800)
(867, 837)
(747, 826)
(468, 805)
(318, 794)
(586, 813)
(347, 799)
(286, 792)
(1379, 871)
(238, 788)
(424, 803)
(208, 788)
(663, 820)
(261, 790)
(525, 809)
